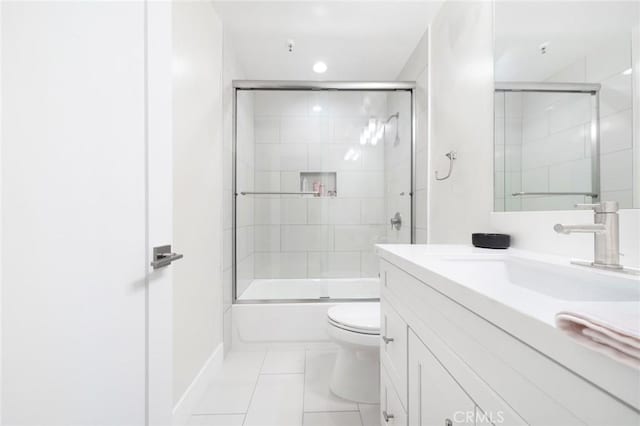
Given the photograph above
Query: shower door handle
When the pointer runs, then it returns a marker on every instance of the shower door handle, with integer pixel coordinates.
(162, 256)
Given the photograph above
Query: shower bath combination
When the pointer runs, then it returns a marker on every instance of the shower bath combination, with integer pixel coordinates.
(292, 242)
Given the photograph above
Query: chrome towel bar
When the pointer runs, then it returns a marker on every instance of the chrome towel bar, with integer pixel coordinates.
(278, 193)
(521, 194)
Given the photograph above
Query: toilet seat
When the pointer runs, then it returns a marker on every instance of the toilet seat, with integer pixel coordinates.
(362, 318)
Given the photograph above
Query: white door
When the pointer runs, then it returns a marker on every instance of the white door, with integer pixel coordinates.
(85, 137)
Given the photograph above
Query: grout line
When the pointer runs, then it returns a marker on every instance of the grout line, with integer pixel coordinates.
(333, 411)
(304, 382)
(254, 388)
(217, 414)
(360, 414)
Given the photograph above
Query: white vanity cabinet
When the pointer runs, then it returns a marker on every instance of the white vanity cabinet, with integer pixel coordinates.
(435, 398)
(444, 365)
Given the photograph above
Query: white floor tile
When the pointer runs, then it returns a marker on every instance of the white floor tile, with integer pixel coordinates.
(283, 362)
(217, 420)
(370, 414)
(230, 390)
(277, 401)
(345, 418)
(317, 396)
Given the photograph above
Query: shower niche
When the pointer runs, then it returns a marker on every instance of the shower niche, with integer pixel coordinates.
(323, 184)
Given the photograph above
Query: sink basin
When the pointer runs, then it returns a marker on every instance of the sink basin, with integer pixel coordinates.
(556, 281)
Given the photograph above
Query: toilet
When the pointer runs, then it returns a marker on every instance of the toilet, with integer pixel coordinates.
(355, 327)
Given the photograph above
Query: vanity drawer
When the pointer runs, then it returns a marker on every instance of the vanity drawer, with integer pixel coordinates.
(392, 411)
(393, 348)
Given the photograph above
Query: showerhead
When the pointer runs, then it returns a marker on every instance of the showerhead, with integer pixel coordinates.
(396, 141)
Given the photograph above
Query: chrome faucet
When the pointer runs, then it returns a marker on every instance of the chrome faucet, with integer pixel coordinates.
(606, 232)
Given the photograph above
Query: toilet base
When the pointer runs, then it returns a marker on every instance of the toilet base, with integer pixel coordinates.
(356, 374)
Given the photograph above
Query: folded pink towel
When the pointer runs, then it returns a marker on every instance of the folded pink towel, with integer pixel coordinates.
(610, 328)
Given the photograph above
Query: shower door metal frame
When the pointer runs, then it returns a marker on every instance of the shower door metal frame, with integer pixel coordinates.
(292, 85)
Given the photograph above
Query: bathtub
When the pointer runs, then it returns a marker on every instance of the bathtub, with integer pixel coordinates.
(273, 313)
(314, 289)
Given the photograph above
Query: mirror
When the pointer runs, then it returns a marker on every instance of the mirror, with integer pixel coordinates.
(564, 104)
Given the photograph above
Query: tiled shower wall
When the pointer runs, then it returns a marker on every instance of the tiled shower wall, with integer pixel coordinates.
(316, 237)
(397, 167)
(552, 131)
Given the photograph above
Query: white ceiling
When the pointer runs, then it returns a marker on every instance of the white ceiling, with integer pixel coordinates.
(572, 29)
(358, 40)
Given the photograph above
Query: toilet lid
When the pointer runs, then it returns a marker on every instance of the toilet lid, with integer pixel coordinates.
(364, 317)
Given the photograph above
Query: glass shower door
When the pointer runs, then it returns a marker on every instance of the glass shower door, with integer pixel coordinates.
(319, 175)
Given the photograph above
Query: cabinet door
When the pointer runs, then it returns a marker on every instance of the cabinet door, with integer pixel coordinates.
(435, 398)
(393, 348)
(391, 410)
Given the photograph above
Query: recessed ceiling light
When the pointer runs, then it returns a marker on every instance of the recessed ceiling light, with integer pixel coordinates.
(319, 67)
(317, 108)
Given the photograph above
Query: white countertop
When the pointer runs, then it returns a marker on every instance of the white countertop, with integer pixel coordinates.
(527, 313)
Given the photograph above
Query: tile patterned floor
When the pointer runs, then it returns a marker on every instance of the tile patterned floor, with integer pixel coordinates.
(279, 388)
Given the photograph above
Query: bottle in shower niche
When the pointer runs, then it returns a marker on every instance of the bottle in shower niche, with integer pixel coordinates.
(305, 185)
(316, 188)
(321, 190)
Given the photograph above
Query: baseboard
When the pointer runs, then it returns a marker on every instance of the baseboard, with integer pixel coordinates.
(187, 403)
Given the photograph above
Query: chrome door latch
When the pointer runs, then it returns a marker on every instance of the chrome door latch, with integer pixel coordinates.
(162, 256)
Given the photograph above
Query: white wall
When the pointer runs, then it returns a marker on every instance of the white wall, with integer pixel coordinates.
(416, 69)
(233, 71)
(461, 119)
(197, 115)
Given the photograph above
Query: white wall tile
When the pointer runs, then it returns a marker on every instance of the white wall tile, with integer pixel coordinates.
(293, 211)
(372, 211)
(267, 157)
(307, 237)
(361, 184)
(616, 171)
(293, 157)
(344, 211)
(334, 264)
(267, 238)
(616, 132)
(358, 237)
(267, 129)
(267, 210)
(535, 180)
(369, 264)
(266, 181)
(318, 210)
(571, 176)
(305, 129)
(280, 265)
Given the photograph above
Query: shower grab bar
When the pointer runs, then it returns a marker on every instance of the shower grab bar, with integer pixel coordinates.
(521, 194)
(279, 193)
